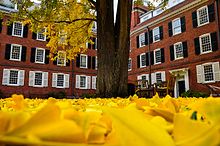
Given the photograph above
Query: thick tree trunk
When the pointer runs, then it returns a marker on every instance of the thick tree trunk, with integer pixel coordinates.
(113, 47)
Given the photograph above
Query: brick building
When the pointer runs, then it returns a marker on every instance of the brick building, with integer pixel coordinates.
(26, 68)
(180, 42)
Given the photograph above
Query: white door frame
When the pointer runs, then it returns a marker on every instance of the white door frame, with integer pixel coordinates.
(180, 74)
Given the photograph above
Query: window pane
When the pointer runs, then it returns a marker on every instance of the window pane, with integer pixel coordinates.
(83, 61)
(158, 56)
(206, 44)
(176, 26)
(17, 29)
(143, 60)
(61, 58)
(142, 39)
(158, 78)
(179, 50)
(129, 64)
(13, 77)
(82, 82)
(156, 33)
(41, 35)
(208, 73)
(38, 79)
(15, 52)
(60, 80)
(203, 16)
(40, 55)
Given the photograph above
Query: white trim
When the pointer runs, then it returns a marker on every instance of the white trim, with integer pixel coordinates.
(143, 54)
(84, 55)
(159, 49)
(154, 34)
(43, 55)
(175, 56)
(141, 35)
(64, 62)
(173, 26)
(16, 45)
(20, 77)
(22, 30)
(45, 37)
(197, 13)
(200, 43)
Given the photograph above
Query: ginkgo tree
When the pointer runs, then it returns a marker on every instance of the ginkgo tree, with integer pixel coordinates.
(69, 26)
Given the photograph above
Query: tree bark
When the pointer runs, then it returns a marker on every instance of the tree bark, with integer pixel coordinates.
(113, 47)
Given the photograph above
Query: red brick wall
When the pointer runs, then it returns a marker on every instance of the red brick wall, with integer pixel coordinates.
(72, 70)
(190, 62)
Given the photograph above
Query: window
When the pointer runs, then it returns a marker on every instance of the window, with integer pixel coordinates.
(62, 37)
(176, 26)
(143, 80)
(142, 40)
(157, 56)
(17, 29)
(205, 43)
(208, 72)
(83, 61)
(13, 77)
(60, 80)
(202, 16)
(178, 49)
(41, 36)
(83, 82)
(15, 52)
(38, 79)
(156, 34)
(39, 55)
(129, 64)
(158, 78)
(143, 60)
(61, 58)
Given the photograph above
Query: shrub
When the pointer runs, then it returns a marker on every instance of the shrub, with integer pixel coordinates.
(58, 95)
(191, 93)
(1, 94)
(88, 95)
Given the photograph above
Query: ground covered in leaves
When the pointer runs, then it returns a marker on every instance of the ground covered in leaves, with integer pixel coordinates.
(110, 122)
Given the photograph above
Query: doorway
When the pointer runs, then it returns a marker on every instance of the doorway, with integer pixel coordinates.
(181, 87)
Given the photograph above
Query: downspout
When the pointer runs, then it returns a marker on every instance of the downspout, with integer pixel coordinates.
(72, 87)
(149, 57)
(217, 20)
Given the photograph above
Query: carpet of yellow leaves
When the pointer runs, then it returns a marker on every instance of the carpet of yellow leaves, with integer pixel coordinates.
(110, 122)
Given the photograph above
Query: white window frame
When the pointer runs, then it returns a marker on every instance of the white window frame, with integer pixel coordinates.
(204, 7)
(32, 75)
(141, 65)
(155, 56)
(139, 78)
(175, 55)
(87, 82)
(43, 55)
(176, 33)
(64, 62)
(201, 75)
(200, 42)
(141, 36)
(130, 60)
(84, 55)
(43, 33)
(156, 28)
(22, 30)
(66, 80)
(19, 54)
(6, 77)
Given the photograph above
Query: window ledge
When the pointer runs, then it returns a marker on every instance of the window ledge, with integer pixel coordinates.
(200, 25)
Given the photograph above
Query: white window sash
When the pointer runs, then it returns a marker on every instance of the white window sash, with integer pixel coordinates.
(155, 56)
(22, 30)
(200, 42)
(43, 34)
(15, 45)
(175, 46)
(173, 28)
(43, 55)
(83, 55)
(64, 62)
(140, 36)
(154, 34)
(198, 22)
(141, 65)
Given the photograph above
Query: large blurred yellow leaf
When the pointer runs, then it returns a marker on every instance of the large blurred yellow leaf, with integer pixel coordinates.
(133, 129)
(189, 132)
